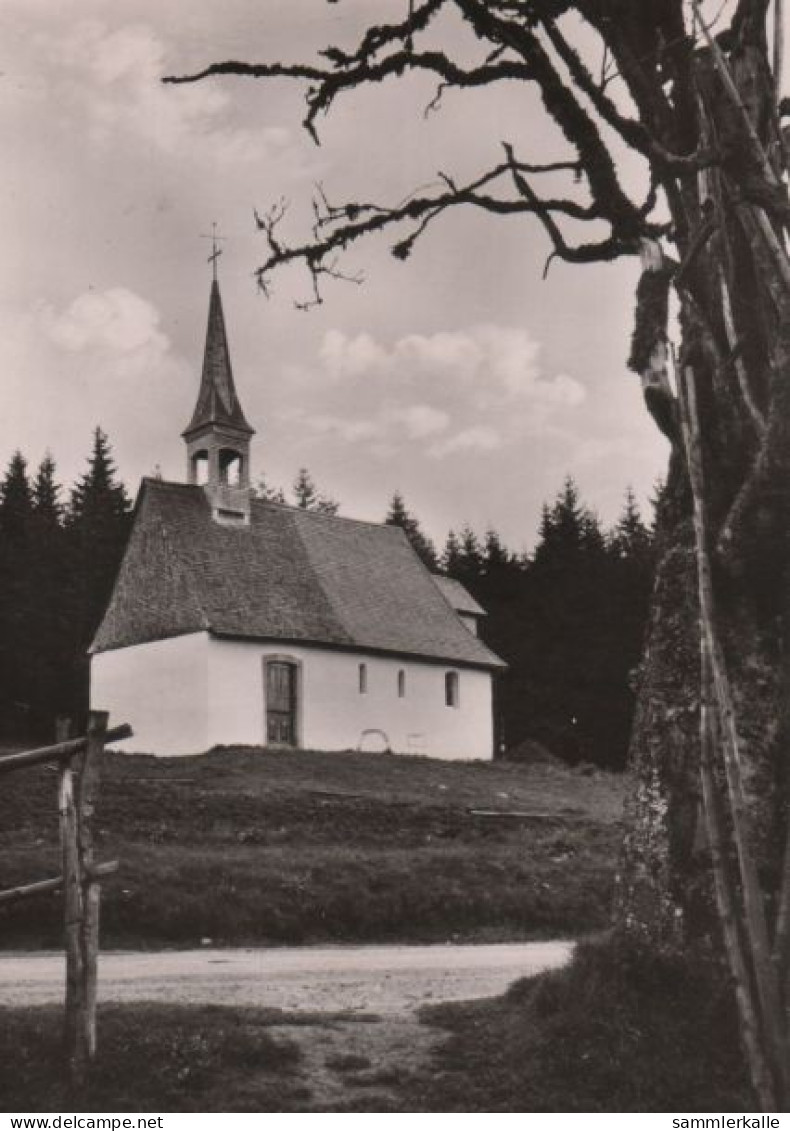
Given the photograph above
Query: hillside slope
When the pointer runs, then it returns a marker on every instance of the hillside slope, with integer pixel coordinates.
(256, 847)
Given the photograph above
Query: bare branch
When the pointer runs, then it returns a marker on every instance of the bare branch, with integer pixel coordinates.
(603, 250)
(328, 83)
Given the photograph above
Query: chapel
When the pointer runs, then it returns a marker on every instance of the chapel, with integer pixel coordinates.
(239, 621)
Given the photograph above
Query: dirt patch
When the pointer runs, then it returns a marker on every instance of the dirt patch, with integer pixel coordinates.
(362, 1064)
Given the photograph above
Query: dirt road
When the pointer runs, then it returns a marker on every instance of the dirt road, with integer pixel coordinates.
(351, 1011)
(388, 980)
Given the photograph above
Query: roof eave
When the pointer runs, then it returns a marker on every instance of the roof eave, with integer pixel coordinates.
(495, 664)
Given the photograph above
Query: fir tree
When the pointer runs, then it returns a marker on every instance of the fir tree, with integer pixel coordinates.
(97, 525)
(470, 562)
(451, 554)
(309, 498)
(495, 556)
(565, 530)
(46, 494)
(269, 494)
(16, 498)
(98, 501)
(399, 515)
(631, 538)
(17, 597)
(50, 619)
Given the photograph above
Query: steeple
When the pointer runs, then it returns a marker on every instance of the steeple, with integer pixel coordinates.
(218, 435)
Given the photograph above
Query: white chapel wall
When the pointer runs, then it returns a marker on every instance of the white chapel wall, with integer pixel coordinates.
(160, 688)
(333, 714)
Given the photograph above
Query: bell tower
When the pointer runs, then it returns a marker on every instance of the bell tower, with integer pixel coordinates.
(218, 435)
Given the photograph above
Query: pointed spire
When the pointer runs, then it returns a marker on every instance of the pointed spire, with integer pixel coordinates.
(217, 402)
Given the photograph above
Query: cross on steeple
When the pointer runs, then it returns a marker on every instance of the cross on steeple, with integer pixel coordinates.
(216, 252)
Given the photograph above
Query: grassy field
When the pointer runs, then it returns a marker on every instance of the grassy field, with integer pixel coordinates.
(253, 847)
(615, 1031)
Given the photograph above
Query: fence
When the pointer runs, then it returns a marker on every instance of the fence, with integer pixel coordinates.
(78, 782)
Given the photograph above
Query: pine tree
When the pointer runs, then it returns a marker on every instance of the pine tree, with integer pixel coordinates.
(470, 563)
(451, 554)
(566, 529)
(46, 494)
(97, 524)
(98, 501)
(16, 498)
(630, 538)
(309, 498)
(17, 597)
(495, 556)
(269, 494)
(304, 490)
(399, 515)
(49, 624)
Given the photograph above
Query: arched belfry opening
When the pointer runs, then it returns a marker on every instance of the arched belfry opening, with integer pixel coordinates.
(218, 435)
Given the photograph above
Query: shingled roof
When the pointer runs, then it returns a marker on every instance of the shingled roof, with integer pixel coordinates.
(459, 596)
(290, 575)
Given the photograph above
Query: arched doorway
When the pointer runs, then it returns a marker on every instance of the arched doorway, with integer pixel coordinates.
(281, 684)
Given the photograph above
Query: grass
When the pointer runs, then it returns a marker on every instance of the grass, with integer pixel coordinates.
(154, 1058)
(618, 1030)
(250, 847)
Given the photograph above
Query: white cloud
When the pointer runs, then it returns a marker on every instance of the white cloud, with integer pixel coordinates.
(491, 364)
(420, 420)
(116, 321)
(324, 424)
(114, 79)
(455, 393)
(343, 357)
(480, 438)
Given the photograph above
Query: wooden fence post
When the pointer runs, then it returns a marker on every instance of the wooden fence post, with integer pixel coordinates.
(72, 899)
(87, 783)
(78, 778)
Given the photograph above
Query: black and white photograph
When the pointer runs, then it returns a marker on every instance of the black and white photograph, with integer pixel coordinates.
(394, 558)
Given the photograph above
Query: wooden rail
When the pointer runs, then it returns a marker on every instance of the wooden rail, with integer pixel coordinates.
(43, 887)
(60, 751)
(80, 880)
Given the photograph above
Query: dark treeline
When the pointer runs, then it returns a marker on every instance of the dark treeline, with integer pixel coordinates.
(58, 558)
(569, 620)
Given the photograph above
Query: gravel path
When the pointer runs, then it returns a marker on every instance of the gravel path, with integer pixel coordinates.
(388, 980)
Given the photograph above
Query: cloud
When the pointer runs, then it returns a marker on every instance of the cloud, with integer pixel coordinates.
(481, 438)
(116, 322)
(343, 357)
(466, 391)
(420, 420)
(490, 364)
(324, 424)
(114, 79)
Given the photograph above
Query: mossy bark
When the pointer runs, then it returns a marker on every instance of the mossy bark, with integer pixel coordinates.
(735, 320)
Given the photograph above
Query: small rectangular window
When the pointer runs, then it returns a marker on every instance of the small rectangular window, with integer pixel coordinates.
(363, 678)
(401, 684)
(451, 689)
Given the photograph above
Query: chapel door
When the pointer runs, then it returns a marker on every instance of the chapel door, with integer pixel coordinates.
(280, 703)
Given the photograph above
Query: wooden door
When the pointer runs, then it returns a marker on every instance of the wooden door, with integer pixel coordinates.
(280, 703)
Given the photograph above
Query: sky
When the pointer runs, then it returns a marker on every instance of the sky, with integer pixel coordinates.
(460, 378)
